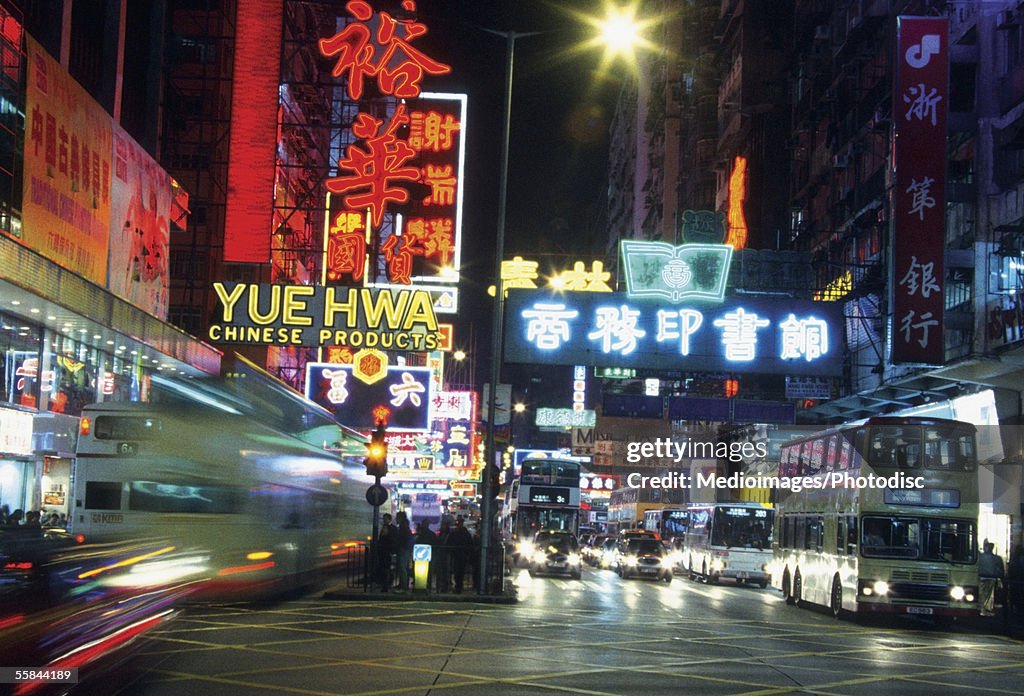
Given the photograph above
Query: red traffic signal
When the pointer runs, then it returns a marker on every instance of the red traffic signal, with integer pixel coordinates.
(377, 452)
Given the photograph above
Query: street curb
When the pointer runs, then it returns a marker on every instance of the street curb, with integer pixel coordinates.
(347, 594)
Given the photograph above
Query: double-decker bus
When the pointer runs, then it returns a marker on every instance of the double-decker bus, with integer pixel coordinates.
(628, 506)
(545, 496)
(208, 468)
(729, 540)
(885, 518)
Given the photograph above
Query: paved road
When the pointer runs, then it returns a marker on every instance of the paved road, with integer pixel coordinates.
(601, 635)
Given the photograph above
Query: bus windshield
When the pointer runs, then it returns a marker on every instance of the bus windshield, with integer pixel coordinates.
(742, 527)
(930, 539)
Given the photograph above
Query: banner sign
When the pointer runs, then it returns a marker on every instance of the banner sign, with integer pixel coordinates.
(920, 105)
(402, 398)
(307, 315)
(765, 335)
(676, 273)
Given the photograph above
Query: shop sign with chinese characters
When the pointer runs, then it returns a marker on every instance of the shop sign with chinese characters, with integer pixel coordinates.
(920, 106)
(765, 335)
(676, 273)
(307, 315)
(402, 399)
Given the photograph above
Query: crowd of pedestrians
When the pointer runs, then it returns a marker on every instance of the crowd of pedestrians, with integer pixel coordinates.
(454, 551)
(32, 518)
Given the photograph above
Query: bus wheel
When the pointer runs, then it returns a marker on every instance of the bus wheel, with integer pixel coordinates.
(798, 587)
(787, 593)
(836, 599)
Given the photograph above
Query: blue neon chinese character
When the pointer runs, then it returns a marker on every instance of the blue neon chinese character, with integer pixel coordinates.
(678, 324)
(804, 338)
(617, 330)
(548, 327)
(739, 334)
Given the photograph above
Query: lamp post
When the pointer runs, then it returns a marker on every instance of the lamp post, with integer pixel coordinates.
(490, 452)
(618, 32)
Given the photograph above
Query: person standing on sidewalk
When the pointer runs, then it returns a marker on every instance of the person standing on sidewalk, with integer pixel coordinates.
(403, 550)
(460, 545)
(385, 548)
(990, 573)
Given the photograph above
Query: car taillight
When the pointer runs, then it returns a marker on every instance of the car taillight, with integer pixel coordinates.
(18, 565)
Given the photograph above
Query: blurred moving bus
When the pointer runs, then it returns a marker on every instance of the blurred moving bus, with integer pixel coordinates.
(545, 496)
(259, 507)
(729, 540)
(899, 548)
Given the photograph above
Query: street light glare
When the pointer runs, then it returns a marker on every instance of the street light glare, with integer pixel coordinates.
(620, 31)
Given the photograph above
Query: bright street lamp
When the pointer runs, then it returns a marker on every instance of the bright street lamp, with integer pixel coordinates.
(624, 38)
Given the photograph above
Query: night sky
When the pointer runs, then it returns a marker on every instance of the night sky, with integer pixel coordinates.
(561, 110)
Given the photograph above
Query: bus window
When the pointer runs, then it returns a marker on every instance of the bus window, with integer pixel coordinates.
(851, 535)
(840, 534)
(149, 496)
(946, 451)
(103, 495)
(844, 455)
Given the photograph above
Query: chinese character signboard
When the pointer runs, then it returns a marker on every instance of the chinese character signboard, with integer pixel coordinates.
(769, 335)
(677, 273)
(68, 146)
(140, 209)
(703, 227)
(920, 105)
(402, 398)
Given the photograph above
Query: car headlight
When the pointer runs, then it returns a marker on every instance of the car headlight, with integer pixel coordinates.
(629, 560)
(880, 588)
(574, 559)
(667, 562)
(539, 557)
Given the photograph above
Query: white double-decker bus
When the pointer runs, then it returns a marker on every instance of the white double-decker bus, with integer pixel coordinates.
(729, 540)
(852, 541)
(545, 496)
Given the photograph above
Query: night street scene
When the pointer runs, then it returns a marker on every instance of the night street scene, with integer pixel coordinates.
(389, 347)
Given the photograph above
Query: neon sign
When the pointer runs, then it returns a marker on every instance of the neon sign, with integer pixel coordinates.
(522, 273)
(403, 397)
(676, 273)
(768, 335)
(737, 237)
(565, 418)
(307, 315)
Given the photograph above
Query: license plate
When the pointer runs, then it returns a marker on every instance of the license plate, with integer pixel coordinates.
(556, 565)
(648, 570)
(742, 575)
(920, 610)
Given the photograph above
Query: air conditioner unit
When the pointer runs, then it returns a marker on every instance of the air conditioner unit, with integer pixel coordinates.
(840, 161)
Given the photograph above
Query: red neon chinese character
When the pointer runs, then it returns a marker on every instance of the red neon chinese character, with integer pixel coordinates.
(429, 130)
(442, 184)
(434, 235)
(346, 246)
(399, 67)
(398, 252)
(377, 162)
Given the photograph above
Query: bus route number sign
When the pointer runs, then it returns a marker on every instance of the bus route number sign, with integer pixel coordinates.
(558, 496)
(127, 449)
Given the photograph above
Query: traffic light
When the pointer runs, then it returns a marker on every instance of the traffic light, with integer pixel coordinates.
(377, 452)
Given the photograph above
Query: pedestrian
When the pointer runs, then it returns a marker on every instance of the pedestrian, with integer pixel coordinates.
(460, 544)
(990, 573)
(442, 555)
(385, 547)
(403, 550)
(426, 537)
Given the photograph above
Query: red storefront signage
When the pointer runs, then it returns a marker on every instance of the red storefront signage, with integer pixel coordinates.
(920, 105)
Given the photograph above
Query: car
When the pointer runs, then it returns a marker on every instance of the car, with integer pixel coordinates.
(644, 558)
(606, 553)
(591, 549)
(556, 552)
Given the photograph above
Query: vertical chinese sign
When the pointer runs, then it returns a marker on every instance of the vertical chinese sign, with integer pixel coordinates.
(920, 105)
(66, 209)
(404, 158)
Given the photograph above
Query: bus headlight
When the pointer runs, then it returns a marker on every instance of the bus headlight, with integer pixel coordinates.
(957, 593)
(717, 564)
(881, 588)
